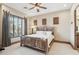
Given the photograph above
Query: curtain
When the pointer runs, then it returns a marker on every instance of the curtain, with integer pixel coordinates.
(25, 20)
(5, 30)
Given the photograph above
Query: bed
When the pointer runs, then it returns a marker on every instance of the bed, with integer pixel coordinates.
(41, 40)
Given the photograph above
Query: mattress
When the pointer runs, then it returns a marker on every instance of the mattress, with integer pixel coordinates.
(42, 36)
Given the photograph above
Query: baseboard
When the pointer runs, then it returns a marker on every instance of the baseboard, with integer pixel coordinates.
(73, 47)
(65, 43)
(61, 41)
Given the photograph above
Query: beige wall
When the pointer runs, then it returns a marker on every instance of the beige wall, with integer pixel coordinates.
(62, 31)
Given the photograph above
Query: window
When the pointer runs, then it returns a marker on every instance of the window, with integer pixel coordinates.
(44, 21)
(55, 20)
(23, 26)
(11, 26)
(19, 26)
(16, 26)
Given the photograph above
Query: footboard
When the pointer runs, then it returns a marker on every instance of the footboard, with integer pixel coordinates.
(36, 43)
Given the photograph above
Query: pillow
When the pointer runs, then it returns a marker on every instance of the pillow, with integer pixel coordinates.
(47, 32)
(39, 32)
(44, 32)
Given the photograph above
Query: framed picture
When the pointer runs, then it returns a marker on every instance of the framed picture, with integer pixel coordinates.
(35, 22)
(55, 20)
(44, 21)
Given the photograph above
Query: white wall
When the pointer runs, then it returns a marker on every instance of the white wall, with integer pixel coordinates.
(62, 32)
(72, 39)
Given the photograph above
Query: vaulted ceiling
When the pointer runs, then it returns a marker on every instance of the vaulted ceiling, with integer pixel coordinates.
(51, 7)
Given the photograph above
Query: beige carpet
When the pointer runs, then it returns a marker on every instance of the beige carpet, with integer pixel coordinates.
(57, 49)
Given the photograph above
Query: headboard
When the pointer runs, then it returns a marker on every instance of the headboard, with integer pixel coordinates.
(45, 28)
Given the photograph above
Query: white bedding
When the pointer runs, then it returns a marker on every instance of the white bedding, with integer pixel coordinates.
(43, 35)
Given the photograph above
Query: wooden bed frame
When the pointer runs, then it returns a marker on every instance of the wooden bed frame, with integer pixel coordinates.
(37, 43)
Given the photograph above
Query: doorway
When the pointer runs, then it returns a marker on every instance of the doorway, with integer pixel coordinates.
(76, 20)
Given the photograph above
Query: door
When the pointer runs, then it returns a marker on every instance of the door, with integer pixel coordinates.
(76, 20)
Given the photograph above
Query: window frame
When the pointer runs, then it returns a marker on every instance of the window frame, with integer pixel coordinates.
(17, 25)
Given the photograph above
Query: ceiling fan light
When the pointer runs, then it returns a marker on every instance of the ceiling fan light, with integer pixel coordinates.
(37, 7)
(65, 5)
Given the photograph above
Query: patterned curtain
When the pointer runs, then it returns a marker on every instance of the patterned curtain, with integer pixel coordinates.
(5, 30)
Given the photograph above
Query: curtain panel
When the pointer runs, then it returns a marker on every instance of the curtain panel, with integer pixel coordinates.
(5, 30)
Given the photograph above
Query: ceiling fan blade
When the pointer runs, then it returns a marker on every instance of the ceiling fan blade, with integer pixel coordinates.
(39, 3)
(42, 7)
(32, 3)
(32, 8)
(37, 10)
(35, 3)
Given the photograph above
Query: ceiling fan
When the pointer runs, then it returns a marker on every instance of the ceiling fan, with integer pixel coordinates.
(37, 6)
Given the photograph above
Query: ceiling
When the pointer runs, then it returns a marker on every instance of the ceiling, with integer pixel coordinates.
(51, 7)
